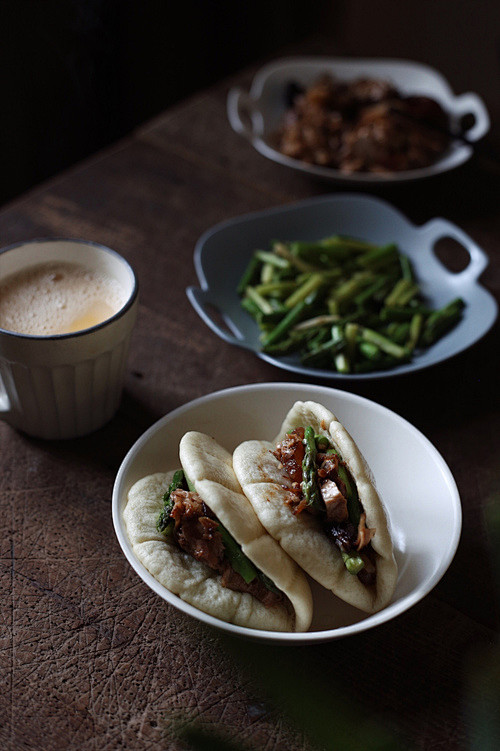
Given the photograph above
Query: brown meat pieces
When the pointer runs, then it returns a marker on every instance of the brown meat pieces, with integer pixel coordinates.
(257, 588)
(290, 453)
(335, 502)
(387, 138)
(347, 536)
(364, 125)
(197, 532)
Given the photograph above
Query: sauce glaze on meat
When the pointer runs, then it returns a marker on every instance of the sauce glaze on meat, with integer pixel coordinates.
(365, 125)
(196, 531)
(348, 537)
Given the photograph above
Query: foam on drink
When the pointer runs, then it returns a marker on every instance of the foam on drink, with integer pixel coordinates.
(57, 298)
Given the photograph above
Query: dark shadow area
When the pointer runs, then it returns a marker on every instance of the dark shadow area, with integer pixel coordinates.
(78, 75)
(106, 448)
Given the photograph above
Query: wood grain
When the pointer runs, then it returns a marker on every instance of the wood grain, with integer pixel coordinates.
(90, 658)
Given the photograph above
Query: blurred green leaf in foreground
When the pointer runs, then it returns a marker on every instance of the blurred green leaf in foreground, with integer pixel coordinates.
(322, 711)
(331, 719)
(483, 665)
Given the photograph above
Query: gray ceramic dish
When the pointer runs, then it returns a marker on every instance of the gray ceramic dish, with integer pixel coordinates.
(256, 115)
(222, 253)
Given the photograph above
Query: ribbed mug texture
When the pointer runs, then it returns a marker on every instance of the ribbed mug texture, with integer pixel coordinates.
(66, 400)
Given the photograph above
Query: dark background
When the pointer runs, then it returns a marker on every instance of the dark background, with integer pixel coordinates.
(76, 75)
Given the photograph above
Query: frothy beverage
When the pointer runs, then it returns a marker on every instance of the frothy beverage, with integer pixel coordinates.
(58, 298)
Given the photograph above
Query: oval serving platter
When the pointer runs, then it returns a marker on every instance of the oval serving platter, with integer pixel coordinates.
(424, 542)
(257, 114)
(222, 254)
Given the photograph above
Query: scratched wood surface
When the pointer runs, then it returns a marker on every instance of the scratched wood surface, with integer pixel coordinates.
(90, 658)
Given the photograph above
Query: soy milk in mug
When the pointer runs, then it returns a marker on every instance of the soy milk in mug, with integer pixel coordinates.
(58, 297)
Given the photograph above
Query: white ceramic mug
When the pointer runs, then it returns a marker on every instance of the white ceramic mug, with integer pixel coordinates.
(66, 385)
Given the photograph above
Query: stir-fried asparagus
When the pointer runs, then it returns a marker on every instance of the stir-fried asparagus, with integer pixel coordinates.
(313, 443)
(310, 487)
(341, 304)
(165, 523)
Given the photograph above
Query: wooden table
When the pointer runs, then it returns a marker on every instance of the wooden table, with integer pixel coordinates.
(90, 657)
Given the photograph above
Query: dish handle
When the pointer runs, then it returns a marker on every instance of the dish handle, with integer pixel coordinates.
(471, 104)
(210, 313)
(4, 401)
(437, 229)
(240, 108)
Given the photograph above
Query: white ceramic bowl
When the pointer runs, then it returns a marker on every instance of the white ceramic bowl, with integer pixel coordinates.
(256, 115)
(417, 488)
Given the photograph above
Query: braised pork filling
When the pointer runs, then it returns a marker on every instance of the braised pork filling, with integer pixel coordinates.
(322, 485)
(190, 523)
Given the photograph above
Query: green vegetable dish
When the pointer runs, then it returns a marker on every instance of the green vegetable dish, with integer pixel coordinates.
(341, 304)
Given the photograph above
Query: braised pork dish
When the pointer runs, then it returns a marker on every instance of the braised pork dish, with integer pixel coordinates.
(365, 125)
